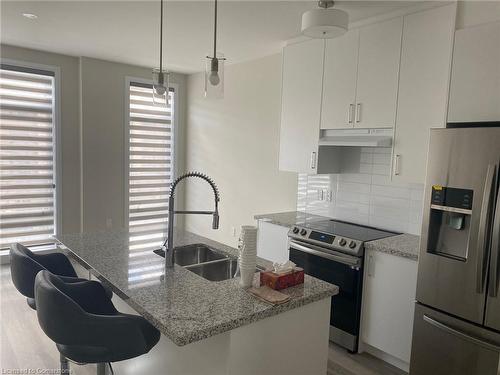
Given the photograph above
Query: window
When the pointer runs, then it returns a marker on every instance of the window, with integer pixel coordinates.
(27, 162)
(150, 144)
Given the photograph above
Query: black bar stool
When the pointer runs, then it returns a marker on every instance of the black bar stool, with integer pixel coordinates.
(24, 266)
(85, 325)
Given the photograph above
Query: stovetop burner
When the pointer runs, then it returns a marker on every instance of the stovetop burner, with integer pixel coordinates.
(353, 231)
(337, 235)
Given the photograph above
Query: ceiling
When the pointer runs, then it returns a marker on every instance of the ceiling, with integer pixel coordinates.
(127, 31)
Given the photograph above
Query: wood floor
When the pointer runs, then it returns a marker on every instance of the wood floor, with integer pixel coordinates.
(24, 346)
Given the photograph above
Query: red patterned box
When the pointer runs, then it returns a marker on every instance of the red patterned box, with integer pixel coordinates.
(282, 281)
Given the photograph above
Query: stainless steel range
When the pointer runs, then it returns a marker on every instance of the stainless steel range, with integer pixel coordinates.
(332, 250)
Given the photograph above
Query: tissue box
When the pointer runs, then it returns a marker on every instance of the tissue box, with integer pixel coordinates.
(282, 281)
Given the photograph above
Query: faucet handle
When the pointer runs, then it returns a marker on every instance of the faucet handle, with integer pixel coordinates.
(215, 220)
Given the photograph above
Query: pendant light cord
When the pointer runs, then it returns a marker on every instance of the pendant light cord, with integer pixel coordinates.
(215, 30)
(161, 35)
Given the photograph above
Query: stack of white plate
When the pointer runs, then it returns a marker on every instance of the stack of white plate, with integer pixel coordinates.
(248, 254)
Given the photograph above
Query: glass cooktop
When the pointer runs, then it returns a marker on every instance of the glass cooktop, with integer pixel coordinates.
(349, 230)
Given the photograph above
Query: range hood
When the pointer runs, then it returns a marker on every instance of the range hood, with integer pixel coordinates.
(356, 137)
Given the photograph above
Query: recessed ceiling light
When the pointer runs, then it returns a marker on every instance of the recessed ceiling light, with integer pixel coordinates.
(30, 16)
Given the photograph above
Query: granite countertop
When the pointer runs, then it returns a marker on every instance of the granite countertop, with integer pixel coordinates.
(182, 305)
(289, 219)
(403, 245)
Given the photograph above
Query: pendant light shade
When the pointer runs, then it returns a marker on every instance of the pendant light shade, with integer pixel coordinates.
(214, 68)
(161, 76)
(324, 22)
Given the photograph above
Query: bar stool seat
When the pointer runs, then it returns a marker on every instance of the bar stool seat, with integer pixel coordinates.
(85, 325)
(25, 265)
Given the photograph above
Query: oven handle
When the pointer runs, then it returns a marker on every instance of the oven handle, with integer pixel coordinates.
(350, 261)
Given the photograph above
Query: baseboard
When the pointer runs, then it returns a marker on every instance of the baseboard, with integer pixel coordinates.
(386, 357)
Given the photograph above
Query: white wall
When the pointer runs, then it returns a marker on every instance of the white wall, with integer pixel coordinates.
(103, 126)
(236, 141)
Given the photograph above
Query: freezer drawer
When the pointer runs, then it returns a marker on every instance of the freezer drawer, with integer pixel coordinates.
(443, 345)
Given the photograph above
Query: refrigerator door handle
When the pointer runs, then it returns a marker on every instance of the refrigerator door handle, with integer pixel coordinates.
(495, 249)
(482, 256)
(464, 336)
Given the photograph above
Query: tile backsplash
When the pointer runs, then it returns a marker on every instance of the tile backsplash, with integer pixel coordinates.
(364, 193)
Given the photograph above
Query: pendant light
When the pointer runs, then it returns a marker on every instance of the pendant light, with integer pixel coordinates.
(161, 76)
(214, 68)
(324, 22)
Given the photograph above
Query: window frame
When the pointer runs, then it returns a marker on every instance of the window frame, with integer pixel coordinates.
(126, 138)
(57, 156)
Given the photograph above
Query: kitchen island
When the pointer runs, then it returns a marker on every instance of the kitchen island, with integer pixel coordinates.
(208, 327)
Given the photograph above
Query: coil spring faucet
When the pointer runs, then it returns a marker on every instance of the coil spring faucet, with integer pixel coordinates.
(168, 246)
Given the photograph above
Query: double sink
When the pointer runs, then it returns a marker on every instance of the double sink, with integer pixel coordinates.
(205, 261)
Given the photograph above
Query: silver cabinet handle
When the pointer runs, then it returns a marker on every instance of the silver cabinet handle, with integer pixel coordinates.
(484, 224)
(397, 164)
(464, 336)
(370, 266)
(495, 249)
(350, 113)
(313, 160)
(358, 112)
(350, 261)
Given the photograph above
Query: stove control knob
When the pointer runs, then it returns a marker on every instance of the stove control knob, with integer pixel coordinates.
(342, 242)
(295, 230)
(303, 232)
(352, 244)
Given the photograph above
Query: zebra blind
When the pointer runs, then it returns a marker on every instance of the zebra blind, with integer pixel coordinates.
(27, 180)
(150, 168)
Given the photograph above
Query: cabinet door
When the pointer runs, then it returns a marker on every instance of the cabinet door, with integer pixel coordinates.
(388, 303)
(423, 88)
(272, 242)
(339, 84)
(301, 106)
(475, 77)
(378, 71)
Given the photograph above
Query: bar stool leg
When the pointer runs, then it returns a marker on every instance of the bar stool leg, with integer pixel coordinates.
(104, 369)
(101, 369)
(64, 364)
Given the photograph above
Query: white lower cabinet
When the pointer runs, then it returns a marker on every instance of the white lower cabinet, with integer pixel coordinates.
(272, 242)
(388, 304)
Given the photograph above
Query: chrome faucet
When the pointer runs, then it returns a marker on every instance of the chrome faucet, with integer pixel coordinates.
(168, 246)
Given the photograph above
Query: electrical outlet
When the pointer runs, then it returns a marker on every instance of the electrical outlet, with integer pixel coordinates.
(321, 195)
(329, 195)
(233, 231)
(109, 223)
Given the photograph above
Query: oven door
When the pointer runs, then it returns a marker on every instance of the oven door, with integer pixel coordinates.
(340, 269)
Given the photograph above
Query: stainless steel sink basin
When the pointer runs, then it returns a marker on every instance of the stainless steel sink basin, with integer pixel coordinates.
(216, 271)
(195, 254)
(205, 262)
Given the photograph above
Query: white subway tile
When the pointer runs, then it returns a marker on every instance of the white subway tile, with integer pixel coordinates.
(349, 196)
(355, 177)
(354, 187)
(391, 191)
(381, 169)
(384, 159)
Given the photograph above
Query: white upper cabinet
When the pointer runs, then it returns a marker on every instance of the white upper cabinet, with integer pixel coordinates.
(361, 77)
(423, 88)
(339, 90)
(301, 106)
(475, 77)
(378, 70)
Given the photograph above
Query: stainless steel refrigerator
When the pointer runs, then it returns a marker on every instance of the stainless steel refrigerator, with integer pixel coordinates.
(457, 315)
